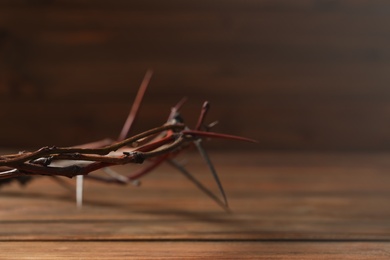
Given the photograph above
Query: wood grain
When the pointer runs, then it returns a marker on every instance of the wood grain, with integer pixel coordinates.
(284, 205)
(195, 250)
(306, 75)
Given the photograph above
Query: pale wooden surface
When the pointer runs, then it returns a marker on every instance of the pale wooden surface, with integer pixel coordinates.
(295, 206)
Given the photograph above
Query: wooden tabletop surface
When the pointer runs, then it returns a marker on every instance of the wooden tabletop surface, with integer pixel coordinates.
(284, 206)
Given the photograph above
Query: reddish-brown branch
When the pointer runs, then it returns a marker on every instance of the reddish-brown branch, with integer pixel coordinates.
(136, 105)
(47, 151)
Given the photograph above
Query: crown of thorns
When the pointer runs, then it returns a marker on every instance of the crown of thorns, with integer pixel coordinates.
(157, 145)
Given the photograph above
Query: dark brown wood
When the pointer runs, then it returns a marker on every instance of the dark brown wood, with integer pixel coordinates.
(284, 205)
(307, 74)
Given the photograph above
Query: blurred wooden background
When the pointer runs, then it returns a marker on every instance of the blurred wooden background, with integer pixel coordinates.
(296, 75)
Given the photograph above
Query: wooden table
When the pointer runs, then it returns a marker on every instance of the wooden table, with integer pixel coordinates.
(284, 205)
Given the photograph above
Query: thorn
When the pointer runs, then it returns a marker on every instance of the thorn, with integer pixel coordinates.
(79, 191)
(197, 183)
(211, 125)
(136, 105)
(115, 175)
(205, 156)
(202, 116)
(217, 135)
(136, 183)
(177, 107)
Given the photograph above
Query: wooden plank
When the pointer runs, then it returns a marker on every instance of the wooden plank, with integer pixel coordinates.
(273, 197)
(308, 72)
(285, 205)
(195, 250)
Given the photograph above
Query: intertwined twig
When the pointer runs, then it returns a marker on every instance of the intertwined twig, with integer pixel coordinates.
(162, 143)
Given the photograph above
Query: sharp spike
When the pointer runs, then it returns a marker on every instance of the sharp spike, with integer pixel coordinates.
(79, 190)
(205, 156)
(136, 105)
(176, 108)
(217, 135)
(198, 184)
(117, 176)
(203, 113)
